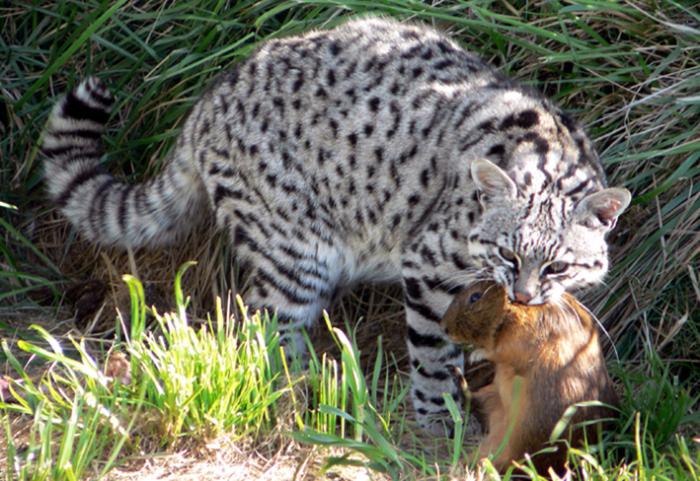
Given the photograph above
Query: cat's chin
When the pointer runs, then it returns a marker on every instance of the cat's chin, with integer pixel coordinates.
(554, 298)
(537, 301)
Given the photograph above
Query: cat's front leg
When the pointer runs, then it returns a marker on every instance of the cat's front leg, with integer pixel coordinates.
(431, 352)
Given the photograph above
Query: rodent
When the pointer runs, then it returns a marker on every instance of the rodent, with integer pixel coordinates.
(555, 353)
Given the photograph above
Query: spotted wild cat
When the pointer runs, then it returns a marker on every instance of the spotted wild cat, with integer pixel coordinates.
(375, 151)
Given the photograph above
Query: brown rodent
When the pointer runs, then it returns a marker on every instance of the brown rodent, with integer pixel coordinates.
(553, 350)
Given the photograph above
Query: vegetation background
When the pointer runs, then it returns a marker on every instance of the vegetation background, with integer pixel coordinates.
(629, 70)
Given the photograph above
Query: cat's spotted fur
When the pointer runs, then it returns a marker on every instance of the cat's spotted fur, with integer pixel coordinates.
(373, 151)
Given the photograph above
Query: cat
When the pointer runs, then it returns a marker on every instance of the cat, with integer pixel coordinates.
(547, 358)
(373, 151)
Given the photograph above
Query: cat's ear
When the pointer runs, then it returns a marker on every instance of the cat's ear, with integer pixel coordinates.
(602, 208)
(492, 181)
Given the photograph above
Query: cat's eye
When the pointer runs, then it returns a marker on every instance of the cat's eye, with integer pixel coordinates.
(556, 267)
(508, 255)
(474, 297)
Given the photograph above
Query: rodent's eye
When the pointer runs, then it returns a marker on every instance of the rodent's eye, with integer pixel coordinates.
(508, 255)
(474, 297)
(554, 268)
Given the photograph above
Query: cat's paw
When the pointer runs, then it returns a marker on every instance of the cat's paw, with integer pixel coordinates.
(441, 424)
(436, 424)
(295, 351)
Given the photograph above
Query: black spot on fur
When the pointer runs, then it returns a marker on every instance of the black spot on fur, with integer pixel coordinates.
(413, 289)
(423, 340)
(425, 177)
(330, 77)
(334, 48)
(443, 64)
(523, 120)
(497, 151)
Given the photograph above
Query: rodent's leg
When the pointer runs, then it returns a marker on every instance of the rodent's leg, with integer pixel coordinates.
(488, 400)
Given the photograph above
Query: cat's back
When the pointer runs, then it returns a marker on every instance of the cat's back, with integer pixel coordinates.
(361, 63)
(365, 52)
(345, 124)
(338, 96)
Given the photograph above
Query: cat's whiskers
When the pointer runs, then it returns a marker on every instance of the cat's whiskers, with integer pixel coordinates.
(603, 329)
(466, 278)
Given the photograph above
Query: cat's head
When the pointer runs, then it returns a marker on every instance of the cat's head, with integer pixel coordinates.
(539, 245)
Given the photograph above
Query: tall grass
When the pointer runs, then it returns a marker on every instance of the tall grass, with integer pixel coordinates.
(630, 71)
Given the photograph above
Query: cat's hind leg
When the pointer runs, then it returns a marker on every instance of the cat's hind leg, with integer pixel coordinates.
(288, 277)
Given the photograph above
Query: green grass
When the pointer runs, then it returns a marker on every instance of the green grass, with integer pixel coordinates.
(189, 383)
(629, 71)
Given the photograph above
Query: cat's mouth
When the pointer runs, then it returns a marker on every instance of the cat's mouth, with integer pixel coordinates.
(525, 300)
(532, 302)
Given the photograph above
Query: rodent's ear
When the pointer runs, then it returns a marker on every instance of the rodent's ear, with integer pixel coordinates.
(492, 181)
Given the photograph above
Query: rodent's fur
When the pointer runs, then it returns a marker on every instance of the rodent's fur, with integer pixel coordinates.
(553, 349)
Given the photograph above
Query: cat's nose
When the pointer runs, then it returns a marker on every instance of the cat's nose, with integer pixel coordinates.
(522, 297)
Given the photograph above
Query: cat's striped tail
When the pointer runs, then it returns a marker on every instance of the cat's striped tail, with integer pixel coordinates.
(98, 205)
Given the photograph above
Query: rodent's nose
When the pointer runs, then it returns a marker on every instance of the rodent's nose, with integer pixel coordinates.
(522, 297)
